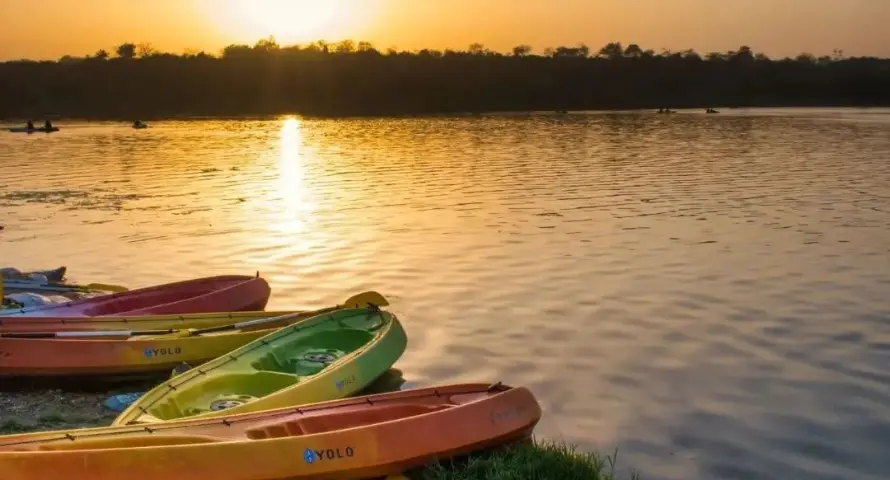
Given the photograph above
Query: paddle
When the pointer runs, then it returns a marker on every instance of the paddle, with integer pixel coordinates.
(61, 287)
(103, 286)
(356, 301)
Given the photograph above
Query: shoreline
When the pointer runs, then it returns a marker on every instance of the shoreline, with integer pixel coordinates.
(276, 115)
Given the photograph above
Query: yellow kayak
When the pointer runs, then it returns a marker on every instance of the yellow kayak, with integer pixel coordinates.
(326, 357)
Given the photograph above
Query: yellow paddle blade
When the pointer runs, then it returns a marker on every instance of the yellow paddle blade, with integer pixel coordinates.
(106, 287)
(356, 301)
(182, 333)
(363, 299)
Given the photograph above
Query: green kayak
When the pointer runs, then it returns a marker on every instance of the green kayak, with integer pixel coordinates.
(325, 357)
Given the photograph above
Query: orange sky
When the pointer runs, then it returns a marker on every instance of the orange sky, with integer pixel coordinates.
(52, 28)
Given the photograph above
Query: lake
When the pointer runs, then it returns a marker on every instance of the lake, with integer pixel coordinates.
(710, 294)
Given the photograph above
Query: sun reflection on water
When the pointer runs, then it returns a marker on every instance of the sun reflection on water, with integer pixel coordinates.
(296, 206)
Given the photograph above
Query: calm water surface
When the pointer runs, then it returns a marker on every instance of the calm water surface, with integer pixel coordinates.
(710, 294)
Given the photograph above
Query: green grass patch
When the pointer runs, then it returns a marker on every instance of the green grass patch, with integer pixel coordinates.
(534, 461)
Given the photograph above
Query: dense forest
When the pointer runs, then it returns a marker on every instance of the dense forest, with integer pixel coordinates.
(349, 78)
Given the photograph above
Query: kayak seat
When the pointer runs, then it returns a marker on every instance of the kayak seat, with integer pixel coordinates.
(214, 392)
(307, 355)
(340, 421)
(359, 418)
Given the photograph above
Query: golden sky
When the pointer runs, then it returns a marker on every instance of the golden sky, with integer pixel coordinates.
(49, 29)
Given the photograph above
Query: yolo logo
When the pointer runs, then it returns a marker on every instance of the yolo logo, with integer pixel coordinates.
(507, 415)
(311, 456)
(160, 352)
(346, 381)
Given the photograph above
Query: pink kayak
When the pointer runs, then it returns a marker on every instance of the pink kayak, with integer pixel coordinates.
(229, 293)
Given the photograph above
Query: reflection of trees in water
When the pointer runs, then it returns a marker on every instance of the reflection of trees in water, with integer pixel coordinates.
(355, 78)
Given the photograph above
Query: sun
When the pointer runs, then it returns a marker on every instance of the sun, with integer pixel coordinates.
(289, 21)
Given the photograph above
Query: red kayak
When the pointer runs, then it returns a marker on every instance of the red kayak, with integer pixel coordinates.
(229, 293)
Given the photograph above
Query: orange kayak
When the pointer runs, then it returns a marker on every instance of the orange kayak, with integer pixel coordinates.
(117, 353)
(229, 293)
(360, 437)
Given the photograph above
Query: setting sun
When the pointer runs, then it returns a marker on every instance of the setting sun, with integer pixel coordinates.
(289, 21)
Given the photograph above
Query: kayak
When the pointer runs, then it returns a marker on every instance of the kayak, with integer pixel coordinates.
(33, 130)
(114, 352)
(325, 357)
(230, 293)
(20, 324)
(363, 437)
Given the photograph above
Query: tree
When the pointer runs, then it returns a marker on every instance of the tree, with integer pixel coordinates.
(101, 55)
(126, 50)
(267, 45)
(322, 46)
(346, 46)
(581, 51)
(426, 52)
(302, 80)
(477, 49)
(612, 51)
(521, 50)
(633, 51)
(236, 51)
(145, 50)
(743, 54)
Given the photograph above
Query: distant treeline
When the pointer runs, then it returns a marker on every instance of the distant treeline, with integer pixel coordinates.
(356, 79)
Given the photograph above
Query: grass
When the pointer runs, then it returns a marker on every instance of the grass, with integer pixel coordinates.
(546, 460)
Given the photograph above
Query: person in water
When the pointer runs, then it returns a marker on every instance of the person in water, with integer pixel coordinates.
(137, 123)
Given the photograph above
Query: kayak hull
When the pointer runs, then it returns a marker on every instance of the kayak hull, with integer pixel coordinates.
(228, 293)
(50, 357)
(363, 437)
(325, 357)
